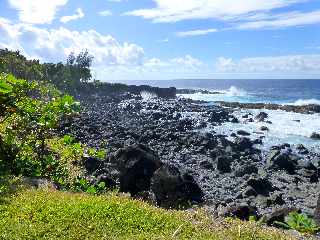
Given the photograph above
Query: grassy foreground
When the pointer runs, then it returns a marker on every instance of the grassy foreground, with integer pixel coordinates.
(48, 214)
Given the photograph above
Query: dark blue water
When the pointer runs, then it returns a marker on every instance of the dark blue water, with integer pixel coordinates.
(261, 90)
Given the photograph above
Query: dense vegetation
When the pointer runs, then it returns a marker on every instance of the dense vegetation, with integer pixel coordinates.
(67, 77)
(30, 146)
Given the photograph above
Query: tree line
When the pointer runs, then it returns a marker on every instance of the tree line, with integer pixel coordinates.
(67, 77)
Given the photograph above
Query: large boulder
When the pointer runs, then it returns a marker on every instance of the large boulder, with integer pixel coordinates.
(261, 117)
(283, 160)
(240, 211)
(262, 186)
(136, 165)
(174, 189)
(278, 214)
(315, 136)
(92, 164)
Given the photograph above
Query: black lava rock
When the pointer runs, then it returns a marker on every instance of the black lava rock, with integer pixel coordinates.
(174, 189)
(136, 165)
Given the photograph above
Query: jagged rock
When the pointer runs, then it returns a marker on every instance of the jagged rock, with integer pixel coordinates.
(223, 164)
(264, 128)
(243, 143)
(136, 165)
(262, 186)
(174, 189)
(242, 211)
(91, 164)
(279, 214)
(261, 117)
(275, 199)
(302, 149)
(247, 169)
(315, 136)
(234, 120)
(243, 133)
(249, 191)
(283, 161)
(314, 178)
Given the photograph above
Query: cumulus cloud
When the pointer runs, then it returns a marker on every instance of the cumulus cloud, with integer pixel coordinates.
(198, 32)
(79, 14)
(55, 44)
(111, 57)
(187, 63)
(37, 11)
(280, 64)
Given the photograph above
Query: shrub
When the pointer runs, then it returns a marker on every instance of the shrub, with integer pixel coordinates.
(300, 222)
(30, 112)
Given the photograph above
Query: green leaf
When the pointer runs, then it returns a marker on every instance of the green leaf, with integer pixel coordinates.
(91, 190)
(102, 185)
(68, 140)
(5, 88)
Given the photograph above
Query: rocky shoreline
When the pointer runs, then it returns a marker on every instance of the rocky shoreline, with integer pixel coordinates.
(166, 150)
(307, 109)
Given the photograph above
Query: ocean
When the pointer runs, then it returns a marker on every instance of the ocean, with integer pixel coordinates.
(286, 127)
(298, 92)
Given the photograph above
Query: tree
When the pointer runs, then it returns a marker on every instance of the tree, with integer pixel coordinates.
(84, 62)
(67, 77)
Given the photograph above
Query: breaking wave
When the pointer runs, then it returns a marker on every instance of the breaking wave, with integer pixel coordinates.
(302, 102)
(235, 92)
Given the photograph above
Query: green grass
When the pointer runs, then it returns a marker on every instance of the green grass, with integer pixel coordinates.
(48, 214)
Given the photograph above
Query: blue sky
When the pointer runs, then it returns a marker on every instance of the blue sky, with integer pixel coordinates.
(169, 39)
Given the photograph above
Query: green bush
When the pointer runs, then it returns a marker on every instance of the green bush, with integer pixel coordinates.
(300, 222)
(31, 111)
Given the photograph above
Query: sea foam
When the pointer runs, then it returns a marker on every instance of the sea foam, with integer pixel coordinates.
(302, 102)
(286, 127)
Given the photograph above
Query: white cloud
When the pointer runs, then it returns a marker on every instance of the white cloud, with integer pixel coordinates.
(283, 20)
(187, 61)
(240, 14)
(281, 64)
(196, 32)
(112, 59)
(174, 11)
(37, 11)
(79, 14)
(182, 65)
(55, 44)
(105, 13)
